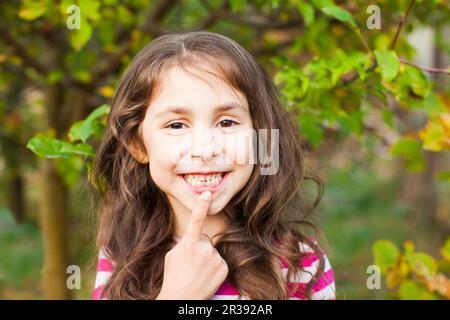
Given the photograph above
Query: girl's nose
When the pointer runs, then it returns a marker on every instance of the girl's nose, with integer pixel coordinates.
(203, 145)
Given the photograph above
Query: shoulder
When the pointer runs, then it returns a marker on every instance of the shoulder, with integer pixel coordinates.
(315, 267)
(105, 268)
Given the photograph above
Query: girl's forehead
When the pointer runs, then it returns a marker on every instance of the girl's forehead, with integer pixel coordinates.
(186, 77)
(194, 86)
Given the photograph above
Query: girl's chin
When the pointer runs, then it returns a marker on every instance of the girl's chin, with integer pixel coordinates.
(214, 208)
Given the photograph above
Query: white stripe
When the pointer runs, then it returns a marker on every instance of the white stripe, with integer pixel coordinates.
(327, 293)
(304, 247)
(102, 255)
(101, 278)
(306, 275)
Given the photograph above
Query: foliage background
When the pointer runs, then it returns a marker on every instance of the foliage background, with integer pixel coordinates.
(373, 107)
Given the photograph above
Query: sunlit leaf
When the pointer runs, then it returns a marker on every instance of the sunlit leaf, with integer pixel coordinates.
(422, 264)
(388, 64)
(386, 254)
(339, 14)
(445, 250)
(84, 129)
(410, 290)
(32, 10)
(79, 37)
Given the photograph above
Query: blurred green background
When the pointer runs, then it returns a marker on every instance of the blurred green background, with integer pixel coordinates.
(367, 82)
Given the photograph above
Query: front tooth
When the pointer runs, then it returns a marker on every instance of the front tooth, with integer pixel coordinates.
(197, 180)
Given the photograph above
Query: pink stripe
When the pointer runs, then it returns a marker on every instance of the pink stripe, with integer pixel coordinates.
(308, 260)
(104, 265)
(284, 263)
(227, 289)
(325, 280)
(96, 295)
(297, 290)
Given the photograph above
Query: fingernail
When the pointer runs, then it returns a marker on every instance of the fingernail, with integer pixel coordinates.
(206, 195)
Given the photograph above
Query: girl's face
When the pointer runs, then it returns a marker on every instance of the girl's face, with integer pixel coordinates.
(197, 133)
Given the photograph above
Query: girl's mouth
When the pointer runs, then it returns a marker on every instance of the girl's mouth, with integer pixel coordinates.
(212, 181)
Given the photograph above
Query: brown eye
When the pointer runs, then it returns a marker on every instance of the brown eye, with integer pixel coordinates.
(227, 123)
(176, 125)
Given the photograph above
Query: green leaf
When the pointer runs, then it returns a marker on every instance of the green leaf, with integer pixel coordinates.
(386, 254)
(124, 16)
(237, 5)
(63, 5)
(90, 8)
(433, 135)
(47, 147)
(410, 290)
(81, 149)
(70, 169)
(443, 176)
(417, 81)
(106, 32)
(410, 150)
(445, 250)
(388, 64)
(53, 148)
(311, 128)
(55, 76)
(422, 264)
(79, 37)
(307, 11)
(430, 105)
(32, 10)
(351, 123)
(339, 14)
(82, 130)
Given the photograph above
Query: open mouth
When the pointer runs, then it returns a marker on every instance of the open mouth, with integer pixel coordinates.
(212, 181)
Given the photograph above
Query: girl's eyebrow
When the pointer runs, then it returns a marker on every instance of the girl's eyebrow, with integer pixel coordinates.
(186, 110)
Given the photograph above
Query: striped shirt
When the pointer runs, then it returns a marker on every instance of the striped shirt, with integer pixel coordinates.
(323, 289)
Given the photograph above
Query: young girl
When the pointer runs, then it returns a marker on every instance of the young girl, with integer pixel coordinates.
(181, 216)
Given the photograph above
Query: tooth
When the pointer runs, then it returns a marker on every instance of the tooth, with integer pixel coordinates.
(210, 180)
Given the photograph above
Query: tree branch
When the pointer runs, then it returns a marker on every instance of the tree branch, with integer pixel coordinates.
(150, 26)
(427, 69)
(400, 25)
(215, 14)
(22, 53)
(353, 75)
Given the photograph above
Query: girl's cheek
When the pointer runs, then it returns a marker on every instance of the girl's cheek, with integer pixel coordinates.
(239, 147)
(167, 148)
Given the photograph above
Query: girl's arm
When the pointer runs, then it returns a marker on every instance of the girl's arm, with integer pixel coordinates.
(105, 268)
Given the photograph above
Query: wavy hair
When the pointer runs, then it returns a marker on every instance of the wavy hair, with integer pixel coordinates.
(136, 221)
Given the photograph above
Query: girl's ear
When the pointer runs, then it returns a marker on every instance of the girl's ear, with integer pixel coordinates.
(138, 152)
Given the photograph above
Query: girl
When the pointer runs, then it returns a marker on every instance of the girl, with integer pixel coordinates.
(181, 216)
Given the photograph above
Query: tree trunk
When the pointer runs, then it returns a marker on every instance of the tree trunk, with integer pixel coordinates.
(54, 230)
(16, 197)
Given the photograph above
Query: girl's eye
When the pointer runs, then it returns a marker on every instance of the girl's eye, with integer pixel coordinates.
(176, 125)
(227, 123)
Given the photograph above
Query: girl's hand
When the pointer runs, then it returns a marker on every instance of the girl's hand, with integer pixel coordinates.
(193, 269)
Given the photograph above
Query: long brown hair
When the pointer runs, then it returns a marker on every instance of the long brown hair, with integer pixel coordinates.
(136, 221)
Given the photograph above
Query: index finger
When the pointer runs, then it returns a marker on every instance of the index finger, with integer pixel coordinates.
(198, 217)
